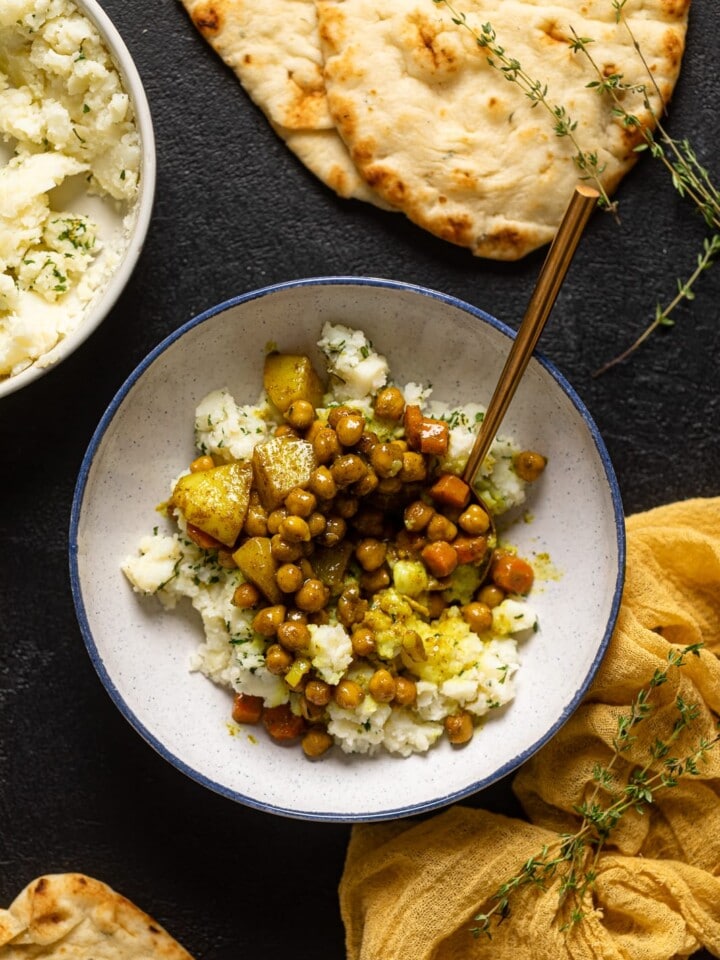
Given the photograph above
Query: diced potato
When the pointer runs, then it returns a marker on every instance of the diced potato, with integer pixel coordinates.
(257, 564)
(216, 500)
(330, 564)
(280, 465)
(289, 377)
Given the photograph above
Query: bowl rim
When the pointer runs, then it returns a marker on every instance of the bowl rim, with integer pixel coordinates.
(337, 816)
(141, 210)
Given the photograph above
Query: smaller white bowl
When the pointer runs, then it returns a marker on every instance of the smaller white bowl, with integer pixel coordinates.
(112, 219)
(142, 653)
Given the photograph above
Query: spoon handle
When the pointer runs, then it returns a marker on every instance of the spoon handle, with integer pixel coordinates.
(541, 303)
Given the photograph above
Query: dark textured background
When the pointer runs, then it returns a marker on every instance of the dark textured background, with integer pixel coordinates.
(79, 789)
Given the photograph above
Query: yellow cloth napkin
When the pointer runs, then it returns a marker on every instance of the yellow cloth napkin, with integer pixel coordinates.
(410, 889)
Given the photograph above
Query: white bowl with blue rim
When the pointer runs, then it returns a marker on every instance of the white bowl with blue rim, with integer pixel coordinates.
(572, 520)
(121, 226)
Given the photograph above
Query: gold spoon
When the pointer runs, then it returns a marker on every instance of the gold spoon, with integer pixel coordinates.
(541, 303)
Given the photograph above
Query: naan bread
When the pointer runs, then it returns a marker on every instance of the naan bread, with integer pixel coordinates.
(274, 49)
(74, 917)
(441, 134)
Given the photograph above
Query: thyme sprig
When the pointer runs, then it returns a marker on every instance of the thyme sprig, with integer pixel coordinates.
(688, 176)
(572, 858)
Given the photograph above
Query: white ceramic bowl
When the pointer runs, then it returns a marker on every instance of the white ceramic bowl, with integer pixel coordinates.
(145, 438)
(124, 228)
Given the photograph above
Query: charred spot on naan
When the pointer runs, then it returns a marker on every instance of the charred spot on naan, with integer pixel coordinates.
(430, 48)
(208, 17)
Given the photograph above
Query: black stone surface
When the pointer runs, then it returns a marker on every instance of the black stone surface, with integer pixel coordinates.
(79, 790)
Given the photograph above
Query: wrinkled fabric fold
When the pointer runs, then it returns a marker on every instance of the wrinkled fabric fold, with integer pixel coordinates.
(412, 888)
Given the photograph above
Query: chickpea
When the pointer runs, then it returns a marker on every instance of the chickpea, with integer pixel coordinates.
(363, 642)
(389, 485)
(225, 559)
(316, 742)
(293, 635)
(491, 595)
(310, 711)
(381, 686)
(320, 618)
(351, 607)
(405, 691)
(277, 659)
(298, 616)
(294, 530)
(386, 459)
(256, 521)
(335, 530)
(349, 428)
(414, 468)
(312, 430)
(316, 523)
(312, 596)
(435, 604)
(478, 616)
(474, 520)
(267, 620)
(459, 727)
(284, 430)
(275, 519)
(346, 507)
(417, 516)
(300, 503)
(366, 442)
(335, 413)
(375, 580)
(283, 551)
(367, 485)
(371, 553)
(348, 469)
(440, 528)
(389, 404)
(326, 445)
(201, 464)
(246, 596)
(529, 465)
(318, 692)
(289, 577)
(300, 414)
(348, 694)
(322, 484)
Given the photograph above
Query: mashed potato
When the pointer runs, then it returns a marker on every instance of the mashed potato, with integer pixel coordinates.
(453, 668)
(66, 122)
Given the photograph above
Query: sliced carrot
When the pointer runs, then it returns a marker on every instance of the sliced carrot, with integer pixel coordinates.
(247, 709)
(434, 437)
(440, 558)
(281, 723)
(512, 574)
(412, 422)
(451, 491)
(470, 549)
(201, 538)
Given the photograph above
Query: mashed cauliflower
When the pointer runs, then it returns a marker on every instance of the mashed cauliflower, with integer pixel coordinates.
(66, 122)
(453, 668)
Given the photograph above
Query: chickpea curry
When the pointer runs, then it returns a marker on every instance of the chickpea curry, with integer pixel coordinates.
(345, 516)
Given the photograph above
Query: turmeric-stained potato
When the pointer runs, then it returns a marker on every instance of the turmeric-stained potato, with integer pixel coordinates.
(257, 564)
(280, 465)
(289, 377)
(216, 500)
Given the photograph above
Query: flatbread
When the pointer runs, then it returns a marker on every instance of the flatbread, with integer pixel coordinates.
(274, 50)
(74, 917)
(443, 136)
